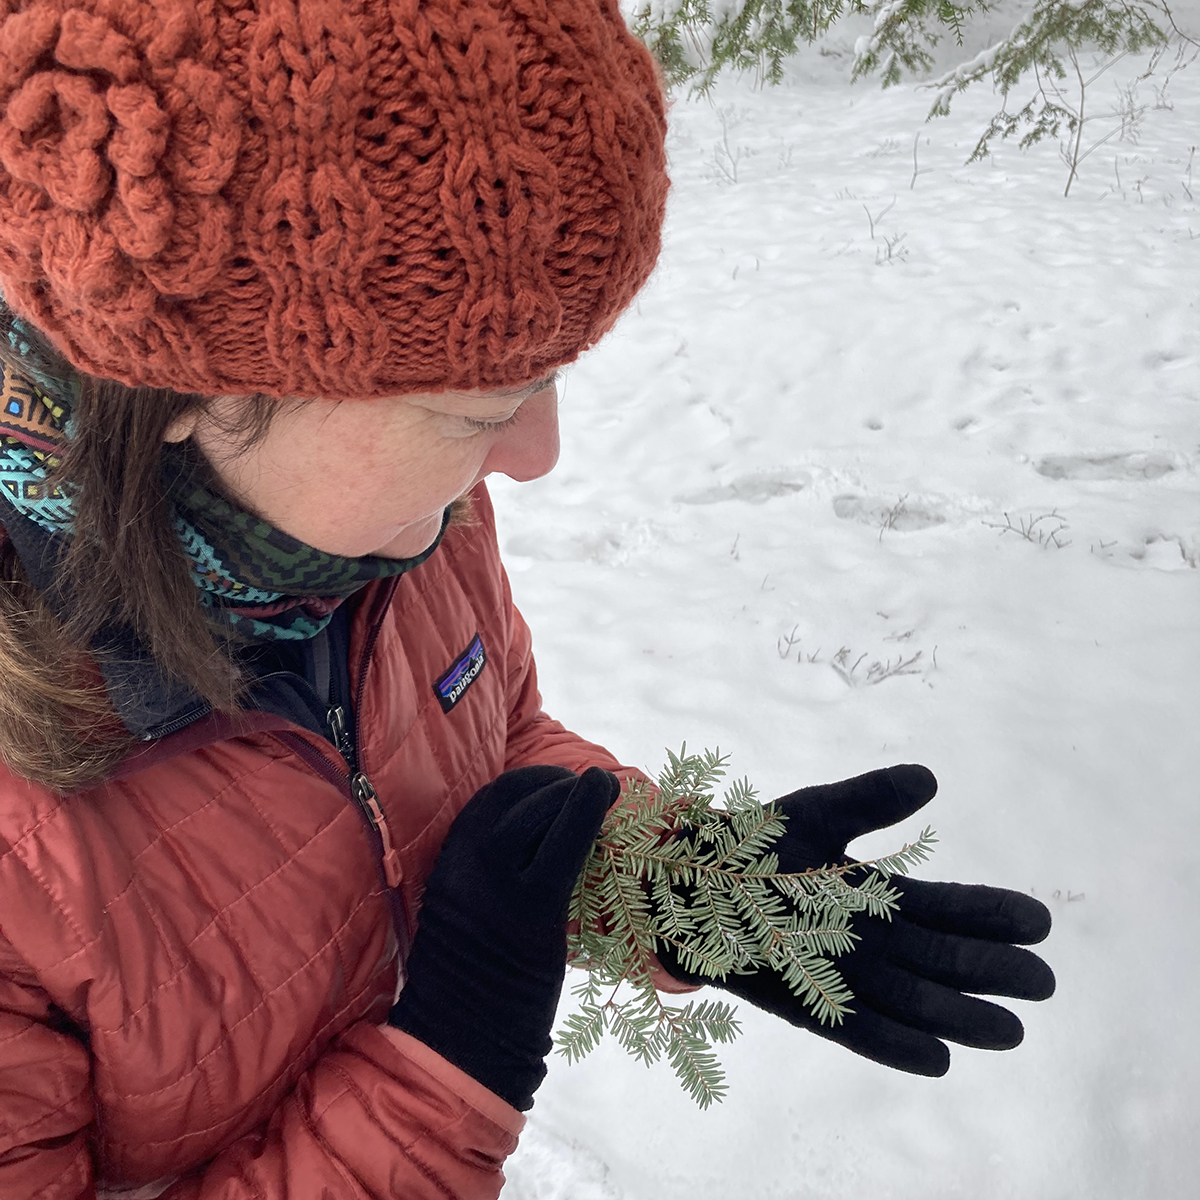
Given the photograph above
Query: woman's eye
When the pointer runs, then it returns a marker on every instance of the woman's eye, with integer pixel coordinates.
(534, 389)
(492, 426)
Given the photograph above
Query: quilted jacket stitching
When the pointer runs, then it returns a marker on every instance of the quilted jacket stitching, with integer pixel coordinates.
(287, 857)
(425, 1134)
(268, 821)
(427, 705)
(413, 592)
(110, 902)
(311, 1120)
(55, 1190)
(418, 583)
(265, 994)
(49, 1112)
(335, 1020)
(216, 915)
(85, 942)
(452, 790)
(231, 781)
(218, 1046)
(68, 920)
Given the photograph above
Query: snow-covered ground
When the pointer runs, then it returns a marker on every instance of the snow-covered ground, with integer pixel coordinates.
(830, 506)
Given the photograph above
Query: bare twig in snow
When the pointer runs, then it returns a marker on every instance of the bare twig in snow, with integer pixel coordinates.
(876, 671)
(893, 514)
(874, 220)
(785, 643)
(1032, 529)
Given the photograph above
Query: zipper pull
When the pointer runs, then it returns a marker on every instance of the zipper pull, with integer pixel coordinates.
(336, 717)
(365, 796)
(368, 801)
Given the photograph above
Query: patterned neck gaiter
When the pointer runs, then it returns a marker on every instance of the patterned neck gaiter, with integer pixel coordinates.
(260, 582)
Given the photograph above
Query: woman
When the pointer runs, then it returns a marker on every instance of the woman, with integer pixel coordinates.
(283, 282)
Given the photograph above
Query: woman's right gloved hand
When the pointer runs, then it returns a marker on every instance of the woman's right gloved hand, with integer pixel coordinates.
(488, 960)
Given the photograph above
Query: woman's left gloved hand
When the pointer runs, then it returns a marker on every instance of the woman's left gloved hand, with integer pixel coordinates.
(915, 978)
(488, 960)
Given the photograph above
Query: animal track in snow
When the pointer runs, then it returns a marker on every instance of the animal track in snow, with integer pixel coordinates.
(755, 488)
(902, 515)
(1136, 464)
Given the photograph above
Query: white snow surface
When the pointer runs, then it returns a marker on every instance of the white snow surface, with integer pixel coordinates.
(794, 455)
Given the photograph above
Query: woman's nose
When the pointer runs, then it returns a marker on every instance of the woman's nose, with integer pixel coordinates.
(528, 449)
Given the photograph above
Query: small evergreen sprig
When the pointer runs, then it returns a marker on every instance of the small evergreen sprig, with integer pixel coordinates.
(717, 898)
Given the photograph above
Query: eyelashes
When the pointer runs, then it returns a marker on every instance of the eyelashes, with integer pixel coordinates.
(492, 426)
(535, 388)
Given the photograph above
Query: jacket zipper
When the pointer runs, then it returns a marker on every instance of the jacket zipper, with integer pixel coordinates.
(365, 796)
(360, 786)
(175, 725)
(357, 786)
(330, 773)
(354, 785)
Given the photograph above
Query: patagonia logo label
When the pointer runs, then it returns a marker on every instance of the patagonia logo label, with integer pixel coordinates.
(452, 686)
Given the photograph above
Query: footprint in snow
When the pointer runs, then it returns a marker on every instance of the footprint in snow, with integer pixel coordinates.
(1166, 552)
(755, 488)
(1136, 465)
(902, 515)
(609, 547)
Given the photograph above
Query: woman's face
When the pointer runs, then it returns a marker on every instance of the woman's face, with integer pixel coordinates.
(374, 476)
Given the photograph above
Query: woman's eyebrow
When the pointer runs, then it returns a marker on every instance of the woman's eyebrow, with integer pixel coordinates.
(530, 389)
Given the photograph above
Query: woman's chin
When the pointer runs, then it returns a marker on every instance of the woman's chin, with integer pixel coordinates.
(412, 539)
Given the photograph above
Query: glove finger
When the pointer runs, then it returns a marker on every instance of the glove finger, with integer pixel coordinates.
(569, 838)
(495, 803)
(865, 1030)
(933, 1008)
(970, 964)
(889, 1042)
(834, 814)
(519, 807)
(974, 910)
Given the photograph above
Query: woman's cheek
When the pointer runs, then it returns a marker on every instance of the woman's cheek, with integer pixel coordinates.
(426, 486)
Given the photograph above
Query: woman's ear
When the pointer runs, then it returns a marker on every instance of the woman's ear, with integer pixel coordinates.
(182, 427)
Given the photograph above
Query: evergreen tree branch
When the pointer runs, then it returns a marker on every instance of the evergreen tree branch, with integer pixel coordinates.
(671, 870)
(696, 40)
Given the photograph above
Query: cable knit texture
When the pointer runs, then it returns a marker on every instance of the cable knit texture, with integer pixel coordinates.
(338, 198)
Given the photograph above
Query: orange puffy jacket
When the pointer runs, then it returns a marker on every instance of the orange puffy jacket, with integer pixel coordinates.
(196, 957)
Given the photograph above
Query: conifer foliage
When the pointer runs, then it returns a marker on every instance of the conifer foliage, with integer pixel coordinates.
(695, 40)
(1045, 44)
(1060, 45)
(671, 869)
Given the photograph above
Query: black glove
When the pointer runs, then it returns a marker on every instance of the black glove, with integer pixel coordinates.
(488, 960)
(910, 976)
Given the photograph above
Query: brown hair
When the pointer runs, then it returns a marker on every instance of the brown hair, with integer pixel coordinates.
(57, 726)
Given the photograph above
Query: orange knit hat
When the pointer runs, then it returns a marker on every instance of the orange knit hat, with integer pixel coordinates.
(337, 198)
